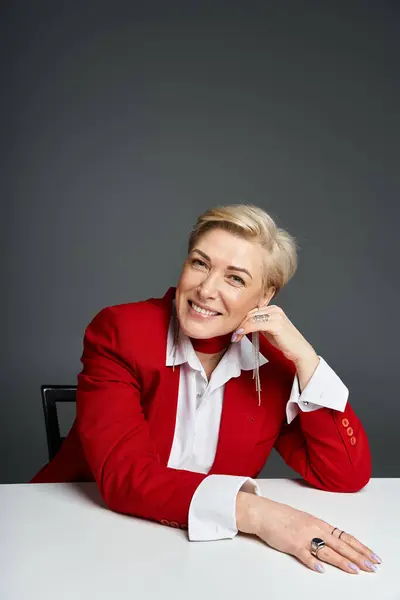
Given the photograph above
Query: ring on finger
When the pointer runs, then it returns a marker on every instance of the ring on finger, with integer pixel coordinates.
(316, 544)
(262, 317)
(341, 533)
(339, 552)
(331, 556)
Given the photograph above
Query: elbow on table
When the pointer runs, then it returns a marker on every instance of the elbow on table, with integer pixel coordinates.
(340, 478)
(128, 490)
(359, 476)
(122, 498)
(355, 485)
(344, 478)
(355, 482)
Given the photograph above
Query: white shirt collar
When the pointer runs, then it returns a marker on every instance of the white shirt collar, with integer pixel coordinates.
(238, 357)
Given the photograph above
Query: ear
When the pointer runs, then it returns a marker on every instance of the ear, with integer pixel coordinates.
(265, 299)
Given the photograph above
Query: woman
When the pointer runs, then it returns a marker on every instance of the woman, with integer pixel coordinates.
(177, 410)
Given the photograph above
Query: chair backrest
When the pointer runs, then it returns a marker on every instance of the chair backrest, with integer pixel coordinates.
(51, 394)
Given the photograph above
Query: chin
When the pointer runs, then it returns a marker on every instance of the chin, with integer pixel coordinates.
(199, 331)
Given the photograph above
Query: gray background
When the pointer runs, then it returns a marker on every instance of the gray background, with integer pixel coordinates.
(122, 123)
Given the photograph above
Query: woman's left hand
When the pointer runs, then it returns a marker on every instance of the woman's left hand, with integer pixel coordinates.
(279, 331)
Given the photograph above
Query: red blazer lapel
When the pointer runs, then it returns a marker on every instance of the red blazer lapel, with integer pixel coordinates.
(163, 419)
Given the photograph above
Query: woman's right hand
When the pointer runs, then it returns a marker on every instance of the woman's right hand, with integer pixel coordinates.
(290, 530)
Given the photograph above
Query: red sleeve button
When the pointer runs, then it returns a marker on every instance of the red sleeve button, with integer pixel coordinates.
(174, 524)
(183, 526)
(164, 522)
(349, 431)
(345, 422)
(353, 441)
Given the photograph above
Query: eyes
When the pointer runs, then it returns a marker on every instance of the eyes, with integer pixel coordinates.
(200, 263)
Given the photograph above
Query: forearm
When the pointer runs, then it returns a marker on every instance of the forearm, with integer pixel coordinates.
(306, 368)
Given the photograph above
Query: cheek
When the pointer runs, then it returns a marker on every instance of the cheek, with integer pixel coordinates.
(189, 279)
(185, 285)
(236, 303)
(239, 305)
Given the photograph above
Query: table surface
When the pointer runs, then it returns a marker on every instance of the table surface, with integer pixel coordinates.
(59, 540)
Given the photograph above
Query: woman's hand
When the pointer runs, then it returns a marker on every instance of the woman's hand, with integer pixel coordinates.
(279, 331)
(290, 530)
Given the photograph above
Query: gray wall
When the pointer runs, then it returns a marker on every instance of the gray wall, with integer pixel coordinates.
(121, 123)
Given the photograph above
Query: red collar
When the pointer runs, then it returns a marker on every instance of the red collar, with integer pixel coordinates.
(211, 345)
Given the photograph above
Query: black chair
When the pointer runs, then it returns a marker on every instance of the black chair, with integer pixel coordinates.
(51, 394)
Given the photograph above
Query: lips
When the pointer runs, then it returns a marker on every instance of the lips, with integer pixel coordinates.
(190, 302)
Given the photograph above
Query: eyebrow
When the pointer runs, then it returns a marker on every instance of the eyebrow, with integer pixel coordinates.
(230, 268)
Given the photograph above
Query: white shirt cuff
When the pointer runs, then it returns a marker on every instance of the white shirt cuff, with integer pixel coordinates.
(212, 511)
(325, 389)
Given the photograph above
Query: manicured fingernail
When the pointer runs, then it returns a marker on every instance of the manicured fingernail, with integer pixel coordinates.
(320, 568)
(239, 331)
(370, 565)
(354, 567)
(234, 337)
(376, 558)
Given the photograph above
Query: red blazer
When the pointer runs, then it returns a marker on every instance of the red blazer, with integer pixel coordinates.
(126, 408)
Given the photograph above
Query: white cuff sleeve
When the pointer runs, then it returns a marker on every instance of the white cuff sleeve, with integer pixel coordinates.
(325, 389)
(212, 511)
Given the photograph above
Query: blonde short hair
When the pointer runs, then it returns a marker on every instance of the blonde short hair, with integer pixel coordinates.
(252, 223)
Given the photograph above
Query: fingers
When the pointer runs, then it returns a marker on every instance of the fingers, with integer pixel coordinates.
(340, 548)
(273, 310)
(346, 553)
(354, 551)
(310, 561)
(341, 555)
(357, 545)
(276, 317)
(350, 540)
(328, 555)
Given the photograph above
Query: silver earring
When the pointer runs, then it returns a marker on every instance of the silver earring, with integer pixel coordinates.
(255, 339)
(176, 339)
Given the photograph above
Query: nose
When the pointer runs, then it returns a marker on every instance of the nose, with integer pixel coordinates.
(208, 287)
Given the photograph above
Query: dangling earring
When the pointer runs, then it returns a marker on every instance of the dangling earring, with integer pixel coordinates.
(255, 339)
(176, 338)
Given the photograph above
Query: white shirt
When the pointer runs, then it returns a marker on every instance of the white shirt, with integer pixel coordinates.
(212, 511)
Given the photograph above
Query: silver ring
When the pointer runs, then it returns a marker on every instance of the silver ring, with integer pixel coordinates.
(341, 532)
(316, 544)
(262, 317)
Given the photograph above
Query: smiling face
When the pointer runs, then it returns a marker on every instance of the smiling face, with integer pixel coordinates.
(222, 273)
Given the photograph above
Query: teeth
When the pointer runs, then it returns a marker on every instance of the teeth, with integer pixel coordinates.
(203, 311)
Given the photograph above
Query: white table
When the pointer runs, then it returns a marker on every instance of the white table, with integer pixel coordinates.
(59, 541)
